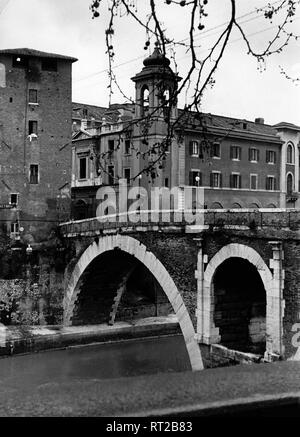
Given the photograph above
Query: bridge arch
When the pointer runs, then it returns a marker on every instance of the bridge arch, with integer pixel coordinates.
(133, 247)
(209, 332)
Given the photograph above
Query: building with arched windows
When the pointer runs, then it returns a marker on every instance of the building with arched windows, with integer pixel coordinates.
(238, 163)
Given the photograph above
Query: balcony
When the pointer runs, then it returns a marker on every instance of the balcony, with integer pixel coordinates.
(292, 197)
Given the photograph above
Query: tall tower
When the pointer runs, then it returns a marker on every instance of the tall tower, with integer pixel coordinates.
(35, 139)
(156, 108)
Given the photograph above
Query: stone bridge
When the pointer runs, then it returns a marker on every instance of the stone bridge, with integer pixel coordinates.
(232, 279)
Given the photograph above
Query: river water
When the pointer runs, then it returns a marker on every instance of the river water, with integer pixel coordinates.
(106, 360)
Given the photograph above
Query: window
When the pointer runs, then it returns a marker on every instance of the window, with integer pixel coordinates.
(216, 179)
(33, 96)
(19, 61)
(127, 147)
(253, 155)
(13, 199)
(290, 158)
(270, 183)
(111, 145)
(289, 184)
(253, 181)
(14, 228)
(34, 174)
(194, 148)
(235, 180)
(127, 175)
(49, 64)
(271, 157)
(235, 153)
(32, 127)
(84, 112)
(216, 152)
(167, 182)
(111, 174)
(83, 167)
(195, 178)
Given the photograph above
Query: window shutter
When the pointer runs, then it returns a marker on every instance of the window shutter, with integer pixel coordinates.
(191, 147)
(191, 178)
(267, 156)
(240, 181)
(240, 152)
(200, 151)
(221, 180)
(231, 181)
(267, 183)
(231, 152)
(275, 157)
(275, 184)
(200, 176)
(249, 154)
(257, 155)
(211, 179)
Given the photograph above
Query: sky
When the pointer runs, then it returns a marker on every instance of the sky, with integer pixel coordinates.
(241, 90)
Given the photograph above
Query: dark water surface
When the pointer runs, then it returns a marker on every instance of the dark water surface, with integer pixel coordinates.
(107, 360)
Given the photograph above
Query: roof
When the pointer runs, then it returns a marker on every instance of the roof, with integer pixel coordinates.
(192, 119)
(36, 53)
(111, 114)
(96, 112)
(286, 125)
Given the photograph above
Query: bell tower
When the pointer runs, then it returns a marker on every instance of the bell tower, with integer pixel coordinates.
(155, 87)
(155, 110)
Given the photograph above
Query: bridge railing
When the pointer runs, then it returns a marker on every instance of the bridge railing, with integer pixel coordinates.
(204, 218)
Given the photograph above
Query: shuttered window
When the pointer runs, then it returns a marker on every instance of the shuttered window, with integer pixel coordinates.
(271, 157)
(235, 153)
(194, 148)
(270, 183)
(235, 180)
(253, 154)
(216, 179)
(195, 178)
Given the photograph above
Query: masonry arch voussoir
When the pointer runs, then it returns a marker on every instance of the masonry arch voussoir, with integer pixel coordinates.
(239, 251)
(134, 247)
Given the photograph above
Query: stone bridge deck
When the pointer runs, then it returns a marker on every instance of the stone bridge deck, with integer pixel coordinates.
(285, 220)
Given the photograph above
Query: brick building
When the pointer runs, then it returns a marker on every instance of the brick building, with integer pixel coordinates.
(35, 136)
(239, 163)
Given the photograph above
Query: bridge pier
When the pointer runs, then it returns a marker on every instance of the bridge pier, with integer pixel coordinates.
(275, 305)
(207, 333)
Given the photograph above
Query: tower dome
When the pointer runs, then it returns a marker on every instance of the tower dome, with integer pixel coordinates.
(156, 59)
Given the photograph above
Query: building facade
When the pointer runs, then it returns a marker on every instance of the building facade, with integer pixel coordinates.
(35, 136)
(239, 163)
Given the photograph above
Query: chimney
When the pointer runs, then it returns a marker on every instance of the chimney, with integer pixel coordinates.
(259, 120)
(83, 123)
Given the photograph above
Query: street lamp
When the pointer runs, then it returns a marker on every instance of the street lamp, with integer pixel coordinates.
(197, 179)
(28, 250)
